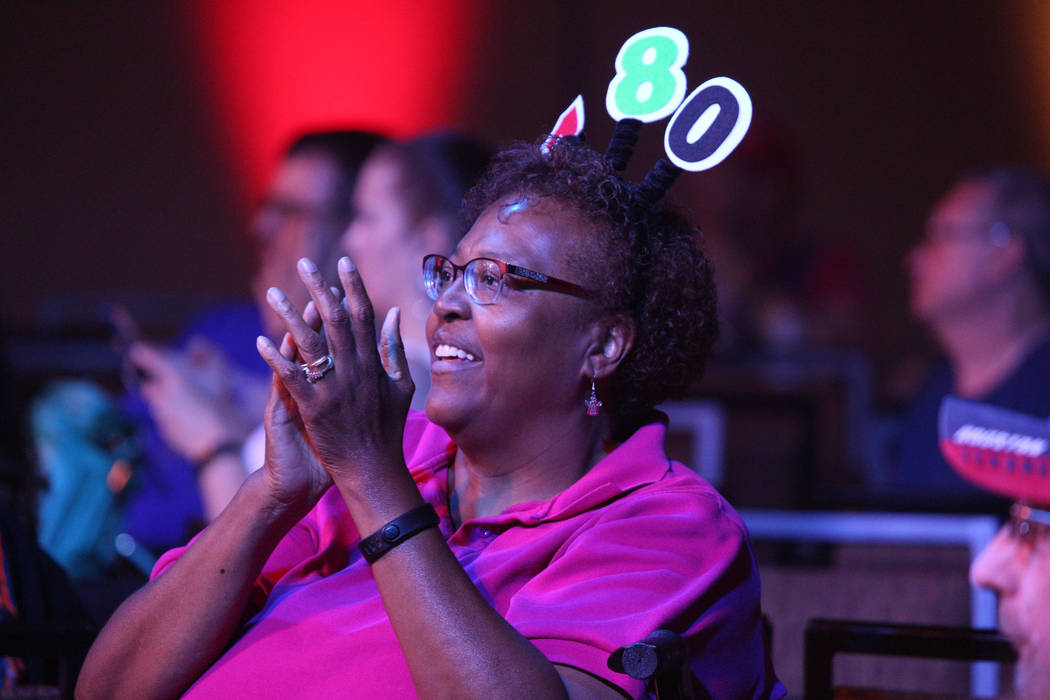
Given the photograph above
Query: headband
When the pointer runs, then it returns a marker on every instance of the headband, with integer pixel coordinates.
(649, 85)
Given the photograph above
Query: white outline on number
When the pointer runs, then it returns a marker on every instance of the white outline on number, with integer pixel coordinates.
(675, 69)
(736, 134)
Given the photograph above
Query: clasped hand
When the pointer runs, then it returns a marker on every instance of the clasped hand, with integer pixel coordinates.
(347, 426)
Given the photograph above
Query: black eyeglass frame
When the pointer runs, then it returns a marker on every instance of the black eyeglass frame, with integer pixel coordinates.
(533, 279)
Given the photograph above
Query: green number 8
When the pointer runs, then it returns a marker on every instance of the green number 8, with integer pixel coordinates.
(649, 82)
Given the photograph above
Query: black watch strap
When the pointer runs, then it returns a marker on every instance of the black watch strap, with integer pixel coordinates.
(398, 530)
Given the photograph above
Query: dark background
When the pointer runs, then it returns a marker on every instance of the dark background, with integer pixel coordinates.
(121, 179)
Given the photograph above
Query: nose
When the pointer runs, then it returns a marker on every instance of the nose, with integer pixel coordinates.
(453, 302)
(996, 566)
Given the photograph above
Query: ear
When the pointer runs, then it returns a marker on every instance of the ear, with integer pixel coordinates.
(612, 338)
(1010, 260)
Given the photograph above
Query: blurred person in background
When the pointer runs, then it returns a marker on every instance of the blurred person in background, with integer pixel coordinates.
(404, 202)
(1016, 563)
(200, 399)
(86, 450)
(980, 282)
(407, 204)
(35, 591)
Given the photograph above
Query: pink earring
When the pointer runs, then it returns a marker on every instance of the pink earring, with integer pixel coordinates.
(593, 404)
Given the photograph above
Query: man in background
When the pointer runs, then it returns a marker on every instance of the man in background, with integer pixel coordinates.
(206, 395)
(1016, 563)
(980, 282)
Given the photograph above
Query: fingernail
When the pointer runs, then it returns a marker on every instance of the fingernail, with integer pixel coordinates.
(276, 296)
(260, 342)
(307, 266)
(346, 264)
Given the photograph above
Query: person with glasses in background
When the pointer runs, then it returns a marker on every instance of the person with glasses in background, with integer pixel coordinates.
(507, 540)
(1016, 563)
(200, 399)
(980, 283)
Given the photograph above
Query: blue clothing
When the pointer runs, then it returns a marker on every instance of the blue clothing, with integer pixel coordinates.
(920, 469)
(164, 507)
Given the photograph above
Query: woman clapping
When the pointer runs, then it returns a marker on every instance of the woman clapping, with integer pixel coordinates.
(506, 541)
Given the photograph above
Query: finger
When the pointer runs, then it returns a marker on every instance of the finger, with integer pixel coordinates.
(391, 347)
(392, 352)
(310, 344)
(359, 306)
(312, 316)
(200, 351)
(153, 362)
(328, 308)
(287, 372)
(279, 403)
(288, 347)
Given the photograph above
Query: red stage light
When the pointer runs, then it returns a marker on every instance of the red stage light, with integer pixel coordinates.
(272, 69)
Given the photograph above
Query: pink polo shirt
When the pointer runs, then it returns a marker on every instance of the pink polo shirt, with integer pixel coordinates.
(638, 543)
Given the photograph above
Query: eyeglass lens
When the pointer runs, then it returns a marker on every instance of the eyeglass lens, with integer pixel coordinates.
(482, 278)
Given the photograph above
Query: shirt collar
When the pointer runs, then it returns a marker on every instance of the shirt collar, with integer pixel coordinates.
(638, 461)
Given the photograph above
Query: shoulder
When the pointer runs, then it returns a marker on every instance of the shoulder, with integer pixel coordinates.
(682, 504)
(677, 524)
(1027, 389)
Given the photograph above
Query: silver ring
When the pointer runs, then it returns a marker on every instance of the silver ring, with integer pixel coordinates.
(316, 370)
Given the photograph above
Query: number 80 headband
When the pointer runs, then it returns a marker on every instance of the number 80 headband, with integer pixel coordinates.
(649, 85)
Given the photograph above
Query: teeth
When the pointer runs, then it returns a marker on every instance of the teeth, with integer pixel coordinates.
(448, 351)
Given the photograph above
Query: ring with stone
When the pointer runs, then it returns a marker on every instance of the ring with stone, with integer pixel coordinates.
(316, 370)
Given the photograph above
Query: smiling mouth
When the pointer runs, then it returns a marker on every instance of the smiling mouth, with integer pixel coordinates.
(451, 352)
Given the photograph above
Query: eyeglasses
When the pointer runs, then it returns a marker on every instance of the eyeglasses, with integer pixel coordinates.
(484, 278)
(1028, 524)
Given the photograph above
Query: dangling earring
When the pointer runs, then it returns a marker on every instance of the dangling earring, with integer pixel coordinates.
(593, 404)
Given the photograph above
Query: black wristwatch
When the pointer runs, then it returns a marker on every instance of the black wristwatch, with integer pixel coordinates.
(398, 530)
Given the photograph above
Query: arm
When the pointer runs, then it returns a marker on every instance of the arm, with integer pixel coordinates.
(219, 478)
(163, 637)
(191, 398)
(166, 634)
(455, 643)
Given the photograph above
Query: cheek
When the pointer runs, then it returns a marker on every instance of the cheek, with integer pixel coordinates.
(1036, 594)
(538, 348)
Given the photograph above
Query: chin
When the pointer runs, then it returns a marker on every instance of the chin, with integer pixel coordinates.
(1031, 678)
(441, 411)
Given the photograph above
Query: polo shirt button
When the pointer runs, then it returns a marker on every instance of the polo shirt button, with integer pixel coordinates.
(485, 532)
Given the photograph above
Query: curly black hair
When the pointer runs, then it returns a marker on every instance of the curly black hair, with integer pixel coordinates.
(648, 266)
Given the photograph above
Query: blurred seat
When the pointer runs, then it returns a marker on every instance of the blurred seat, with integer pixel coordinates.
(807, 412)
(696, 437)
(826, 638)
